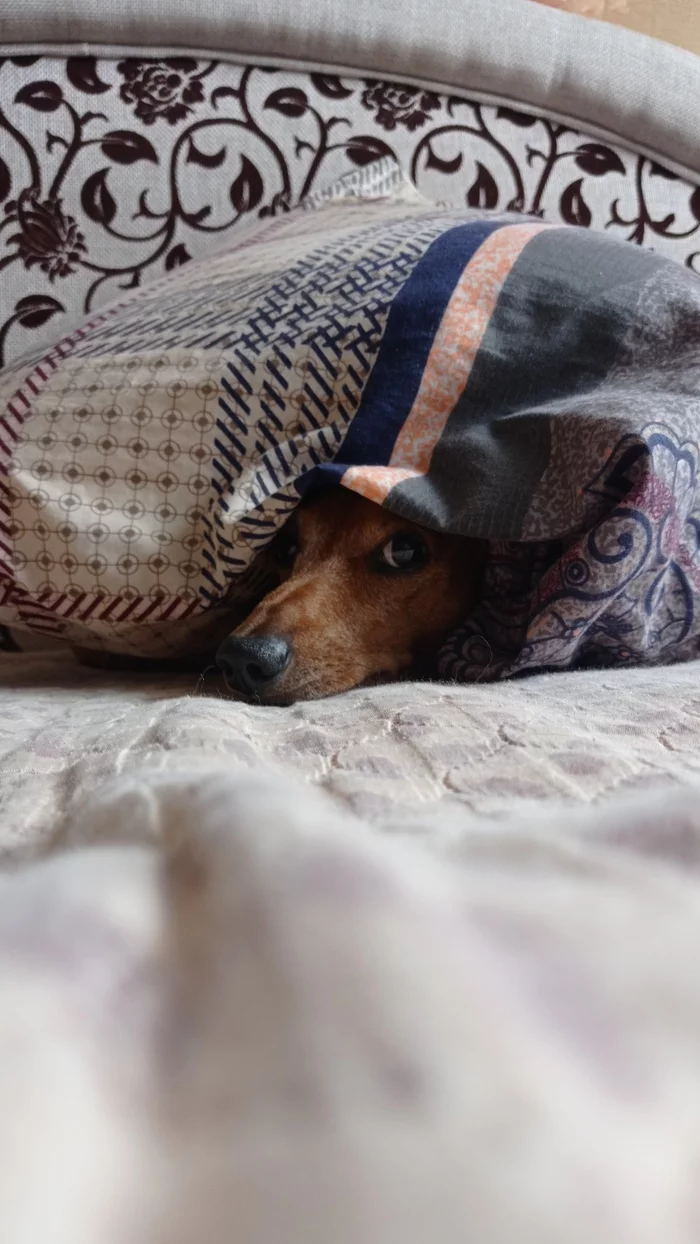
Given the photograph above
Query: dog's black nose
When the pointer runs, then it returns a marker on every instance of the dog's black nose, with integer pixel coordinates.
(251, 664)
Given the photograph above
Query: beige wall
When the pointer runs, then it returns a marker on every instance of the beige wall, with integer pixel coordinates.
(677, 21)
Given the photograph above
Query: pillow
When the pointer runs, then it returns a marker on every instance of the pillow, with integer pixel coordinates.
(150, 455)
(534, 386)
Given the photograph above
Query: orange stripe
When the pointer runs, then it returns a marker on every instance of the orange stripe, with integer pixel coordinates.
(449, 363)
(375, 482)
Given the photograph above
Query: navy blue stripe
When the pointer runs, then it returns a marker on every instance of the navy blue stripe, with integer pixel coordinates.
(233, 415)
(277, 374)
(270, 414)
(273, 396)
(413, 321)
(240, 378)
(320, 477)
(308, 415)
(225, 452)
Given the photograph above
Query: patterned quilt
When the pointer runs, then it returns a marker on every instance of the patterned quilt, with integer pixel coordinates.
(534, 386)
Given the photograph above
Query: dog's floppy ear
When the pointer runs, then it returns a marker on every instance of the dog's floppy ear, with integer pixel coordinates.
(262, 577)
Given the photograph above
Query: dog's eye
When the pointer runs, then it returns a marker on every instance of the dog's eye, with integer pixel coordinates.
(404, 551)
(287, 548)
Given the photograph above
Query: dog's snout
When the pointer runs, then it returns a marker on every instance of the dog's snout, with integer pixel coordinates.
(252, 663)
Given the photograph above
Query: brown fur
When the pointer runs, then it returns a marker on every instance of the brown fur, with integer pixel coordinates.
(349, 622)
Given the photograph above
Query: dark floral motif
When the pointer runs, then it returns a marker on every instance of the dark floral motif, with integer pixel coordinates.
(47, 235)
(260, 139)
(624, 592)
(278, 205)
(161, 88)
(399, 105)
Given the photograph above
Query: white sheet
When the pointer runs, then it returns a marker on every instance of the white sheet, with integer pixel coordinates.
(232, 1007)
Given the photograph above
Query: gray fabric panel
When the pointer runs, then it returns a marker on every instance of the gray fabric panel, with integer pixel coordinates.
(605, 79)
(564, 311)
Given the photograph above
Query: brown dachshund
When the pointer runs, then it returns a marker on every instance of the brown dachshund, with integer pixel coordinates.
(365, 596)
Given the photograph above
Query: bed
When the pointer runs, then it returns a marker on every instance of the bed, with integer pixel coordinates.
(416, 962)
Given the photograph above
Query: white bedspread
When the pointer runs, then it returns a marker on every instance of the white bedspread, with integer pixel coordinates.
(451, 995)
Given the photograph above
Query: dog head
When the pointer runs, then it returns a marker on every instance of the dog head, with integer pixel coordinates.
(364, 596)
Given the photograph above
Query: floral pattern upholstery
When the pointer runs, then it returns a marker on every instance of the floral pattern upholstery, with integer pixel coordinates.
(113, 172)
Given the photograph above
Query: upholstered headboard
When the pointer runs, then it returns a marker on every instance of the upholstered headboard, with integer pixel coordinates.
(134, 137)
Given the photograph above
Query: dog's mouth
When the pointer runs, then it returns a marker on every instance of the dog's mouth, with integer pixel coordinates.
(285, 693)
